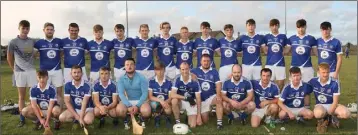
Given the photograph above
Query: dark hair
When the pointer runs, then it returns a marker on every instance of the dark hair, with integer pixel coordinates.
(301, 23)
(159, 65)
(76, 67)
(42, 73)
(295, 70)
(205, 55)
(251, 21)
(266, 70)
(274, 22)
(104, 68)
(74, 25)
(119, 26)
(130, 59)
(143, 26)
(24, 23)
(228, 26)
(164, 23)
(205, 24)
(49, 24)
(326, 25)
(97, 27)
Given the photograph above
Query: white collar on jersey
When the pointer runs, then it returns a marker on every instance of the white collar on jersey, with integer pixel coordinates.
(78, 37)
(302, 36)
(247, 34)
(50, 39)
(229, 40)
(181, 41)
(327, 83)
(156, 80)
(233, 81)
(109, 82)
(121, 40)
(201, 67)
(181, 78)
(143, 39)
(206, 38)
(274, 34)
(99, 42)
(296, 88)
(161, 36)
(46, 88)
(269, 85)
(82, 83)
(328, 39)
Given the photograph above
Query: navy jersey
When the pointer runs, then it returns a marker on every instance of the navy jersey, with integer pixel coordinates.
(294, 97)
(269, 93)
(328, 50)
(186, 89)
(74, 52)
(166, 50)
(122, 51)
(237, 92)
(324, 93)
(207, 81)
(206, 46)
(301, 50)
(251, 47)
(105, 93)
(228, 50)
(275, 45)
(99, 53)
(184, 53)
(144, 53)
(43, 97)
(77, 94)
(160, 91)
(50, 58)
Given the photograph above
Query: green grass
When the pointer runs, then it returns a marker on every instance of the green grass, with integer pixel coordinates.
(348, 79)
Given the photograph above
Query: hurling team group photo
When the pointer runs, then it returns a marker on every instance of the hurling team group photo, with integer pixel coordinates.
(145, 82)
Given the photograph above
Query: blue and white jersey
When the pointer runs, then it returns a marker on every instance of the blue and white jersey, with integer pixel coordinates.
(160, 91)
(99, 53)
(237, 92)
(122, 51)
(105, 93)
(43, 96)
(301, 50)
(269, 93)
(186, 89)
(77, 94)
(50, 58)
(251, 47)
(166, 50)
(324, 93)
(228, 50)
(294, 97)
(206, 46)
(328, 50)
(207, 81)
(74, 51)
(144, 53)
(275, 45)
(184, 53)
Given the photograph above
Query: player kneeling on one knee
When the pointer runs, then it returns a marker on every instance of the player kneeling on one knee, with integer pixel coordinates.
(237, 94)
(43, 103)
(105, 97)
(292, 97)
(266, 96)
(326, 90)
(183, 93)
(78, 100)
(159, 89)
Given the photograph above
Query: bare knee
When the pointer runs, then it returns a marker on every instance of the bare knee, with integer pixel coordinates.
(168, 111)
(308, 115)
(282, 114)
(175, 102)
(319, 112)
(96, 112)
(344, 114)
(121, 110)
(56, 111)
(145, 110)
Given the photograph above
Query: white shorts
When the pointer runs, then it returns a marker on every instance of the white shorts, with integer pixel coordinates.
(205, 105)
(177, 72)
(251, 72)
(67, 74)
(147, 73)
(133, 102)
(307, 73)
(224, 72)
(295, 111)
(190, 110)
(325, 106)
(260, 112)
(25, 79)
(278, 72)
(87, 110)
(170, 72)
(118, 73)
(55, 78)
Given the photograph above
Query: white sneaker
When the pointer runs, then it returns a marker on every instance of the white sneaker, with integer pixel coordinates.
(268, 119)
(143, 124)
(352, 107)
(126, 126)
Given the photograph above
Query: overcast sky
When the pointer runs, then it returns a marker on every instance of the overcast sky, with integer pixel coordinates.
(342, 15)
